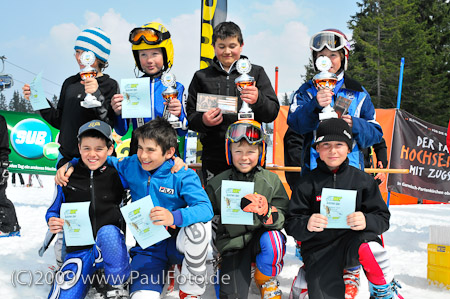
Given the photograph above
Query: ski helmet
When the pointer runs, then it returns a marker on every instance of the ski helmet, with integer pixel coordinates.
(334, 40)
(152, 36)
(250, 130)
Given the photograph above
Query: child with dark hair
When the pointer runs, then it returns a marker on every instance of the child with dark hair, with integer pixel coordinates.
(329, 253)
(218, 79)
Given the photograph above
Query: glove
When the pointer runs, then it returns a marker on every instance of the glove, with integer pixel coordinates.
(4, 173)
(257, 203)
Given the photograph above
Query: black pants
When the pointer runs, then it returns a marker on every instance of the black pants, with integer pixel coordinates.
(212, 168)
(13, 178)
(8, 218)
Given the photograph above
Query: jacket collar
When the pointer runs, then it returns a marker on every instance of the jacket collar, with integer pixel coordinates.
(324, 168)
(218, 65)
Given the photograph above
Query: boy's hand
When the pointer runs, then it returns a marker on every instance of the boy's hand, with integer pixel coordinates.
(348, 119)
(174, 107)
(26, 91)
(324, 97)
(161, 216)
(55, 224)
(212, 117)
(317, 223)
(90, 85)
(116, 103)
(250, 94)
(178, 164)
(255, 203)
(63, 174)
(356, 221)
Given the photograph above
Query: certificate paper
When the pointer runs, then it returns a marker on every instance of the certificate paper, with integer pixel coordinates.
(77, 224)
(205, 102)
(136, 98)
(336, 205)
(37, 98)
(137, 217)
(232, 192)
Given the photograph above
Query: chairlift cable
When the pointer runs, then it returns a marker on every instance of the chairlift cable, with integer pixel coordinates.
(52, 94)
(59, 85)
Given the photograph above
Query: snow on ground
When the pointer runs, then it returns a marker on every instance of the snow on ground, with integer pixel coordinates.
(23, 274)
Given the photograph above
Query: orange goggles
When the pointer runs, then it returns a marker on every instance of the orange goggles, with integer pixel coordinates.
(148, 35)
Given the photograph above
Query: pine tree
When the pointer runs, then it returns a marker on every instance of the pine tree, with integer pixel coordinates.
(3, 105)
(54, 101)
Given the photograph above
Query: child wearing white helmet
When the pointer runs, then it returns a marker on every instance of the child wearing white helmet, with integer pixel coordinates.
(153, 53)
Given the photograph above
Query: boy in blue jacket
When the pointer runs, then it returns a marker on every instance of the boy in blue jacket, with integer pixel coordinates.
(181, 205)
(73, 279)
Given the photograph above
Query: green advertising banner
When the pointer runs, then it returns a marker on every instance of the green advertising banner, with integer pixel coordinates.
(32, 142)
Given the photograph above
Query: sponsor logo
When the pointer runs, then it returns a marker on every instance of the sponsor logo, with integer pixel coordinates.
(29, 137)
(318, 197)
(166, 190)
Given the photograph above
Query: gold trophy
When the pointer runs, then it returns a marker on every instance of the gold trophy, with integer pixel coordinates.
(170, 94)
(87, 59)
(244, 66)
(322, 80)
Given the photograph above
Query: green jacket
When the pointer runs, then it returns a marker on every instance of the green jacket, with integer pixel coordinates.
(234, 237)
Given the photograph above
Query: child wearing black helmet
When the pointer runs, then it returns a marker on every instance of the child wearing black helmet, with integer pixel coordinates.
(327, 253)
(262, 242)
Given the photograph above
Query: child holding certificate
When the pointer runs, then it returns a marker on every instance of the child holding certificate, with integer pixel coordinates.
(262, 241)
(153, 53)
(94, 182)
(181, 205)
(329, 252)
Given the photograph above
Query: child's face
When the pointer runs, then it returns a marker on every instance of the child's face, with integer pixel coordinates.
(152, 60)
(333, 153)
(244, 156)
(78, 53)
(227, 51)
(150, 154)
(335, 58)
(94, 152)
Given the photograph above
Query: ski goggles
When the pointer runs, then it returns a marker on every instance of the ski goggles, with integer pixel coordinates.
(250, 131)
(149, 35)
(331, 40)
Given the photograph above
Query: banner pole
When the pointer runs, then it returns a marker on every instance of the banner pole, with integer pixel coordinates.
(400, 82)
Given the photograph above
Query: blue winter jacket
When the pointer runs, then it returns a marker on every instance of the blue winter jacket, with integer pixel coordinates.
(156, 88)
(304, 112)
(180, 192)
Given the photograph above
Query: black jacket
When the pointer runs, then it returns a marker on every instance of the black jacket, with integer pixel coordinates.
(4, 144)
(215, 80)
(102, 187)
(69, 116)
(304, 203)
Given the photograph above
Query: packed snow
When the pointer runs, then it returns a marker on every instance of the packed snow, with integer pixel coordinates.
(23, 274)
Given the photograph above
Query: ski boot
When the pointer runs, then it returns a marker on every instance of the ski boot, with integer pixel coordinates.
(183, 295)
(299, 288)
(385, 291)
(351, 280)
(267, 285)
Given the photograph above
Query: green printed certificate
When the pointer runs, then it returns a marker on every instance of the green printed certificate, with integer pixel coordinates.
(77, 224)
(336, 205)
(232, 192)
(136, 98)
(137, 217)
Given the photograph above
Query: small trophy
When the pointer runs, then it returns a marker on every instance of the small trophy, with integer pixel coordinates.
(244, 66)
(87, 59)
(322, 80)
(171, 93)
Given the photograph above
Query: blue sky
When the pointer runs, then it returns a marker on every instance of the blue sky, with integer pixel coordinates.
(40, 35)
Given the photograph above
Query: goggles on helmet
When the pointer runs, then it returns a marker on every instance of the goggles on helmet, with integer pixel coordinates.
(252, 133)
(331, 40)
(149, 35)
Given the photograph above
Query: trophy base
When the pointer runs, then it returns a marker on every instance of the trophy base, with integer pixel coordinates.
(246, 115)
(90, 102)
(176, 124)
(327, 115)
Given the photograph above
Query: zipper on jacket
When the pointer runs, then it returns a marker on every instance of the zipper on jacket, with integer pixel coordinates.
(91, 187)
(334, 180)
(228, 85)
(218, 87)
(148, 184)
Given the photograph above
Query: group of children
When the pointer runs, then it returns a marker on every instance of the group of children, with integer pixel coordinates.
(232, 150)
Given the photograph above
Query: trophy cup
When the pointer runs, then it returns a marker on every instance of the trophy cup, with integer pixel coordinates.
(171, 93)
(87, 59)
(244, 66)
(322, 80)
